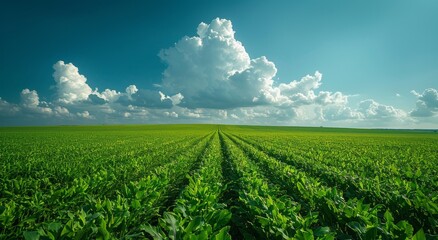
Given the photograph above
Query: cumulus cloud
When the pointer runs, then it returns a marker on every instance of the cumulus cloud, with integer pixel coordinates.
(111, 96)
(223, 114)
(61, 111)
(200, 67)
(30, 101)
(306, 84)
(131, 89)
(210, 77)
(340, 113)
(171, 114)
(108, 95)
(149, 99)
(8, 109)
(213, 70)
(29, 98)
(71, 86)
(175, 99)
(374, 110)
(427, 103)
(303, 92)
(85, 114)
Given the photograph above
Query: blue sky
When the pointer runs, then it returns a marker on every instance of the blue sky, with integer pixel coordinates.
(370, 63)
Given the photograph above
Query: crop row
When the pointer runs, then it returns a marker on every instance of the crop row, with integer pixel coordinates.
(262, 211)
(86, 209)
(403, 198)
(348, 217)
(198, 212)
(214, 182)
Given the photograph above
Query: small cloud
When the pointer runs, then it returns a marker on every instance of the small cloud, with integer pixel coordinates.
(427, 103)
(397, 95)
(374, 110)
(71, 86)
(415, 93)
(85, 114)
(31, 103)
(223, 114)
(175, 99)
(171, 114)
(131, 89)
(8, 109)
(146, 98)
(29, 98)
(61, 111)
(108, 95)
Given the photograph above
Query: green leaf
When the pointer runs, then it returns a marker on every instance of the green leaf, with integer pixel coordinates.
(406, 227)
(263, 221)
(304, 234)
(171, 221)
(419, 235)
(223, 234)
(223, 218)
(194, 224)
(54, 226)
(203, 235)
(388, 217)
(104, 234)
(67, 228)
(321, 231)
(357, 227)
(135, 204)
(31, 235)
(153, 231)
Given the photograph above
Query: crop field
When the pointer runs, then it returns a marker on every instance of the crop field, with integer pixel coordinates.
(217, 182)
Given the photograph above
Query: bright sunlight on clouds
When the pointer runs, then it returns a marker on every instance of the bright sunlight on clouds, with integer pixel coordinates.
(211, 77)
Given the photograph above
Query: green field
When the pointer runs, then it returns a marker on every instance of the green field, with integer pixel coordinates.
(217, 182)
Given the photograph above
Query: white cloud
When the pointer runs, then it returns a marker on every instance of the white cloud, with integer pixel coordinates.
(131, 89)
(339, 113)
(62, 111)
(223, 114)
(175, 99)
(150, 99)
(137, 111)
(71, 86)
(211, 77)
(108, 95)
(171, 114)
(415, 93)
(30, 102)
(305, 85)
(208, 69)
(374, 110)
(85, 114)
(427, 103)
(213, 70)
(29, 98)
(303, 92)
(8, 109)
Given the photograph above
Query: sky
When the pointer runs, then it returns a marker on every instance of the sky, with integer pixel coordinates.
(371, 64)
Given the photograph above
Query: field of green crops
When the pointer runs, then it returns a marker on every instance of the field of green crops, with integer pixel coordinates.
(217, 182)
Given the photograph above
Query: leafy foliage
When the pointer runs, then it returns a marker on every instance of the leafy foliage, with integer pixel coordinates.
(217, 182)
